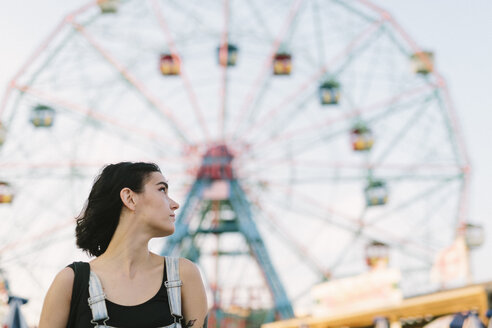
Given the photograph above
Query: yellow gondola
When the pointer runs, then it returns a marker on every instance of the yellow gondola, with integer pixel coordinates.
(377, 254)
(6, 193)
(170, 64)
(282, 64)
(361, 137)
(3, 133)
(422, 62)
(108, 6)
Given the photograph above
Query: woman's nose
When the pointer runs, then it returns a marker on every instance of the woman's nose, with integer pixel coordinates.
(174, 205)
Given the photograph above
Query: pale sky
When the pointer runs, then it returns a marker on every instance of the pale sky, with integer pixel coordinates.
(459, 32)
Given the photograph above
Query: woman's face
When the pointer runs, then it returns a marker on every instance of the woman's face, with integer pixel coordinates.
(155, 207)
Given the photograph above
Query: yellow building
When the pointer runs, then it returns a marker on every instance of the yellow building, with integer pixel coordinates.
(414, 312)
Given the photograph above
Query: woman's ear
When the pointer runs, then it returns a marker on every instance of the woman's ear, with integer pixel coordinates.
(128, 198)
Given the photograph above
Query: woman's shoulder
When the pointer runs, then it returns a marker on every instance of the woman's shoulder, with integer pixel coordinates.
(65, 276)
(56, 307)
(61, 287)
(79, 265)
(186, 264)
(187, 269)
(64, 280)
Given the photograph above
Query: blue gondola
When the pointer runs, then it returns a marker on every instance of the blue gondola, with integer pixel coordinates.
(376, 193)
(42, 116)
(329, 92)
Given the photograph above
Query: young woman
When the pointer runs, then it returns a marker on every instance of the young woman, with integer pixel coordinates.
(127, 206)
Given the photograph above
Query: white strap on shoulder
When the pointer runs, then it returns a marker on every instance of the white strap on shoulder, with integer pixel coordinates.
(97, 301)
(173, 286)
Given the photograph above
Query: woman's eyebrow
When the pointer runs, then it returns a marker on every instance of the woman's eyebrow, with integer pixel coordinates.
(163, 183)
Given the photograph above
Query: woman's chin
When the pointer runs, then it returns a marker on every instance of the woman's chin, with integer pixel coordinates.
(167, 231)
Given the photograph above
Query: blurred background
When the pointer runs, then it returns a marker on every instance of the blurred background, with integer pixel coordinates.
(305, 181)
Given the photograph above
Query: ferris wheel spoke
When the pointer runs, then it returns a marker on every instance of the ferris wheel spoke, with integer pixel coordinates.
(417, 228)
(223, 83)
(357, 11)
(454, 134)
(183, 74)
(319, 35)
(398, 137)
(336, 165)
(74, 164)
(289, 136)
(354, 223)
(256, 86)
(272, 114)
(440, 184)
(395, 174)
(92, 114)
(33, 249)
(337, 177)
(345, 250)
(174, 124)
(449, 107)
(18, 165)
(457, 135)
(37, 236)
(260, 19)
(27, 268)
(287, 190)
(301, 252)
(23, 224)
(284, 117)
(406, 246)
(463, 199)
(44, 45)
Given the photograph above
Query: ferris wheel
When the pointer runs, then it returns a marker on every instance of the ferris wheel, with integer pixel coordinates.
(334, 127)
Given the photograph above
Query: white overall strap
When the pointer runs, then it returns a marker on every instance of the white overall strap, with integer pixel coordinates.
(173, 286)
(97, 300)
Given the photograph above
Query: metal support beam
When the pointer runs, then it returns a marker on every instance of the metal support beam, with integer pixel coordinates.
(216, 184)
(248, 228)
(181, 230)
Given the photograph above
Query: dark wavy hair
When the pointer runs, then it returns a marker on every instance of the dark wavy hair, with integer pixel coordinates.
(98, 220)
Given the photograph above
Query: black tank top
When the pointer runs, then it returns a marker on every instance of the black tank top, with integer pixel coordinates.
(151, 314)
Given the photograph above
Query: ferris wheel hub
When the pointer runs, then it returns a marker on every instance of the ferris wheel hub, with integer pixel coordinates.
(217, 163)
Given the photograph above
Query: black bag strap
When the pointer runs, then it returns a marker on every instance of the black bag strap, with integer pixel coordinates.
(81, 280)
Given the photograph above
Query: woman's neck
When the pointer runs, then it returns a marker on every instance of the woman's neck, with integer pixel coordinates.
(128, 251)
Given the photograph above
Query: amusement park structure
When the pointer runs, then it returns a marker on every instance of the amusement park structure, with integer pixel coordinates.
(305, 140)
(216, 191)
